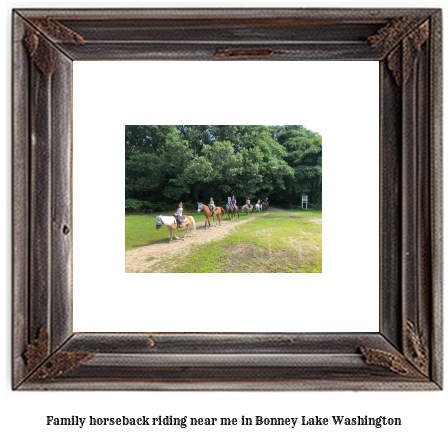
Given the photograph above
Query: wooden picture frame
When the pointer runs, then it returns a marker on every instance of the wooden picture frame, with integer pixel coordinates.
(406, 353)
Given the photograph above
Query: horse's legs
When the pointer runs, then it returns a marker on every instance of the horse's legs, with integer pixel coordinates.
(189, 228)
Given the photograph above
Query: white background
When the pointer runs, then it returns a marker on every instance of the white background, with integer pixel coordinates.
(337, 99)
(423, 414)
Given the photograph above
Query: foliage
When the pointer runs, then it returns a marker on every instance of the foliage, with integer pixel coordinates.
(135, 206)
(166, 164)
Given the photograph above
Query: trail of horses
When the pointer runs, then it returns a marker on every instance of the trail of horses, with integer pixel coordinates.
(142, 258)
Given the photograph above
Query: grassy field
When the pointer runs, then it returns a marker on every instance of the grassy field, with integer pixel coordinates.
(306, 213)
(274, 242)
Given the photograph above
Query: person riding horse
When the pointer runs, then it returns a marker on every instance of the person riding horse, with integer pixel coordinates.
(178, 215)
(248, 203)
(211, 206)
(233, 203)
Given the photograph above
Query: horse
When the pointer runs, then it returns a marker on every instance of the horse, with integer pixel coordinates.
(171, 223)
(231, 211)
(265, 205)
(246, 209)
(258, 207)
(218, 211)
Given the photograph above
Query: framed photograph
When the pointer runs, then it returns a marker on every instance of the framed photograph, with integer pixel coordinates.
(52, 351)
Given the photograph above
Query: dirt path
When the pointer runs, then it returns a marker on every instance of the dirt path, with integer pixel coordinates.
(142, 258)
(136, 259)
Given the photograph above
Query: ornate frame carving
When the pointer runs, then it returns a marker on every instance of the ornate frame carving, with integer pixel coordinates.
(406, 354)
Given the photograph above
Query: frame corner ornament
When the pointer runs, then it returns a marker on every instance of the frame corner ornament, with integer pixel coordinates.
(396, 363)
(37, 351)
(41, 366)
(418, 350)
(40, 49)
(401, 40)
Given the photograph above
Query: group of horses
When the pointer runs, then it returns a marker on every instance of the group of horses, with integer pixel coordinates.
(232, 210)
(218, 212)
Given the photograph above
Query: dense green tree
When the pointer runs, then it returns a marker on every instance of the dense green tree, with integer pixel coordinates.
(169, 163)
(304, 156)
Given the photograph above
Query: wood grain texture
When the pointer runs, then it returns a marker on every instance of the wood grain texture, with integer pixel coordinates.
(40, 206)
(436, 195)
(61, 200)
(406, 354)
(20, 196)
(390, 210)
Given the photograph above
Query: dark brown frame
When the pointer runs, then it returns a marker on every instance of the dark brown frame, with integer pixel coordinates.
(406, 354)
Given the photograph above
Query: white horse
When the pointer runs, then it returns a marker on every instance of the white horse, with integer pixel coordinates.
(258, 207)
(171, 223)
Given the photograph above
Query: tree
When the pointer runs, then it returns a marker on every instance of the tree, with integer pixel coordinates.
(170, 163)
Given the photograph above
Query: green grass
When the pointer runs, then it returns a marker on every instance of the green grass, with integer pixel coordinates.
(275, 242)
(304, 213)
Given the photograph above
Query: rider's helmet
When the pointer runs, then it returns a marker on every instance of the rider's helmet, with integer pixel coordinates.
(180, 203)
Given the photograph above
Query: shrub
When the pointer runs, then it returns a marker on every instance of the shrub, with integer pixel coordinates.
(132, 205)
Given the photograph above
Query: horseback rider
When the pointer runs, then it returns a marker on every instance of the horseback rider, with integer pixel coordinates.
(233, 204)
(248, 202)
(211, 206)
(178, 215)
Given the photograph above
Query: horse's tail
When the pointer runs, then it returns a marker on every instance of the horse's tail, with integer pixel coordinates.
(193, 223)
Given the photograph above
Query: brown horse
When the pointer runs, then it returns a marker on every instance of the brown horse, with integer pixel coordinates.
(218, 212)
(232, 210)
(247, 210)
(265, 205)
